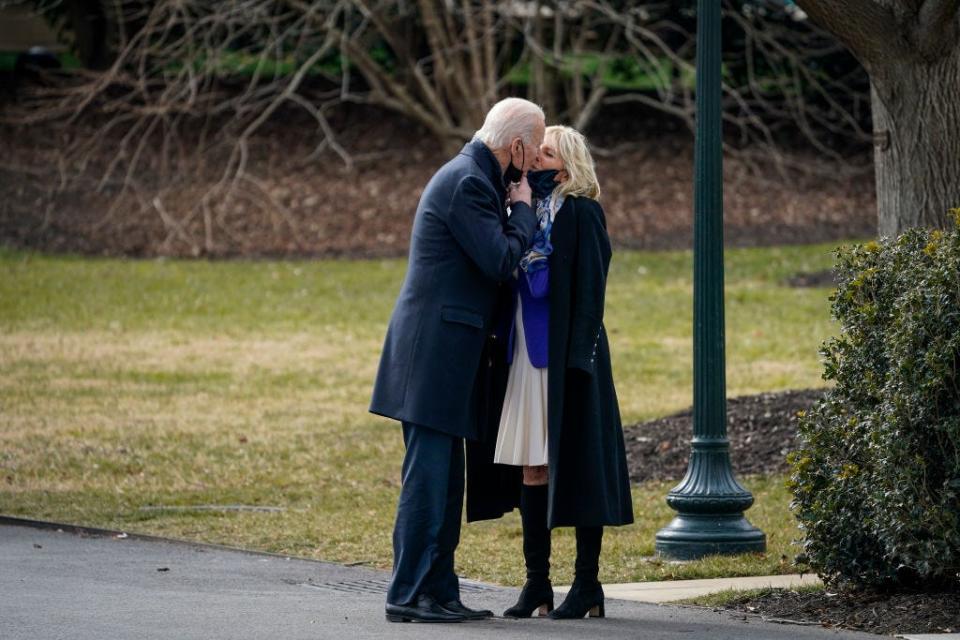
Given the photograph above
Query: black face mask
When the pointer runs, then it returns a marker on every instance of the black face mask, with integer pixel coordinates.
(512, 173)
(541, 182)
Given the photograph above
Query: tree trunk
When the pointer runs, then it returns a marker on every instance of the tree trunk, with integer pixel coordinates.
(910, 49)
(916, 123)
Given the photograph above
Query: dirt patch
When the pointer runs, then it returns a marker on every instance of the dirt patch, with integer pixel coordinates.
(762, 429)
(874, 612)
(298, 203)
(826, 278)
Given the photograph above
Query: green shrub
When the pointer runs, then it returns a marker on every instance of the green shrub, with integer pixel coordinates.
(876, 480)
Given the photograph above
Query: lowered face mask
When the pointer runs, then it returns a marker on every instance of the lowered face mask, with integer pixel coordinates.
(512, 173)
(541, 182)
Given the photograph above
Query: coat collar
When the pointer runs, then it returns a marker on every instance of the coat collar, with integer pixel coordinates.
(488, 163)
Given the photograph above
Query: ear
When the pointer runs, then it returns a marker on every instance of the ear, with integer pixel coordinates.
(562, 176)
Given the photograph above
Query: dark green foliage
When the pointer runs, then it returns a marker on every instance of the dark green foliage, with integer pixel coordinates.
(876, 481)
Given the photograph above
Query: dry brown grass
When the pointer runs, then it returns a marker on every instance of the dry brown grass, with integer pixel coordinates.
(133, 384)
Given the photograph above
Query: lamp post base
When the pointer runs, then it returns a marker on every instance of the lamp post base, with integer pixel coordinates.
(692, 536)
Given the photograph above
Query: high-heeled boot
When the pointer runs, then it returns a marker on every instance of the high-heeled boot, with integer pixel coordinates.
(586, 594)
(537, 592)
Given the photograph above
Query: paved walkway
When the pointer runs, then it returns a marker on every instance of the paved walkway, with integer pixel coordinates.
(673, 590)
(61, 585)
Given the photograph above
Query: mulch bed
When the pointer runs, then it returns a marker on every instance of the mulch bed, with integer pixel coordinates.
(871, 611)
(762, 429)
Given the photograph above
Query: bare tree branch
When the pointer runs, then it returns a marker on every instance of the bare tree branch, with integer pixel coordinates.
(195, 85)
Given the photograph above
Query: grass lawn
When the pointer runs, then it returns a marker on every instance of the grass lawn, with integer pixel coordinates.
(131, 384)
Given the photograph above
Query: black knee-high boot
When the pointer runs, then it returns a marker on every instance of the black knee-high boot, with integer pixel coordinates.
(537, 592)
(586, 594)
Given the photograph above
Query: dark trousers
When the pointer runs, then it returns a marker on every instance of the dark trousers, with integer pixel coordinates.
(429, 511)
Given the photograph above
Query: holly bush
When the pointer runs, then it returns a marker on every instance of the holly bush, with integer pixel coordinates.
(876, 478)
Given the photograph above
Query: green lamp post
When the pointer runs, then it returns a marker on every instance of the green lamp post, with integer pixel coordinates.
(709, 501)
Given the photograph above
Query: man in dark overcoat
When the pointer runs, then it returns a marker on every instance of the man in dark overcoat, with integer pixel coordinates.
(462, 248)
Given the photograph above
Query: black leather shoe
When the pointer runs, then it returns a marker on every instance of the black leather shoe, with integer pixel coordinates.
(536, 594)
(582, 599)
(455, 606)
(425, 610)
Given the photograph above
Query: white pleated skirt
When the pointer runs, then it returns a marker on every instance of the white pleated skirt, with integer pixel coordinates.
(522, 437)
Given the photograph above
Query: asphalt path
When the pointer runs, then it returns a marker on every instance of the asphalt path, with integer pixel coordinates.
(81, 586)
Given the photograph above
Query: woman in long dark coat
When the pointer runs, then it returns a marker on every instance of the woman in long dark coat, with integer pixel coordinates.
(585, 483)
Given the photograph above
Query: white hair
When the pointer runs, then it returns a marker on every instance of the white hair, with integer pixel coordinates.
(508, 119)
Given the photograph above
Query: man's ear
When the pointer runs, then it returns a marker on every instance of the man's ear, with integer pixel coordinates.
(514, 148)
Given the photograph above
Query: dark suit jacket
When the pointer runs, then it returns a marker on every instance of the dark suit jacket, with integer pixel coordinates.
(463, 247)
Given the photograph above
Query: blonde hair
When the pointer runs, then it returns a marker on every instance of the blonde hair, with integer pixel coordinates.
(577, 162)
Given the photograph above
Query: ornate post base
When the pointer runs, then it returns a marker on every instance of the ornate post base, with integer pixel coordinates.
(692, 536)
(710, 505)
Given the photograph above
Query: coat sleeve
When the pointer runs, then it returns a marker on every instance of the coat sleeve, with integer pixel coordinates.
(474, 220)
(590, 281)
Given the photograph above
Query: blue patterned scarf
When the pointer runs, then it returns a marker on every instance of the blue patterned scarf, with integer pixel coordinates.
(535, 258)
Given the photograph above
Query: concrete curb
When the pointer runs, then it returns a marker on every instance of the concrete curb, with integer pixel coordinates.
(670, 591)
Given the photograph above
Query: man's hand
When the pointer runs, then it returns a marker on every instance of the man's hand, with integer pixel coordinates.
(520, 191)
